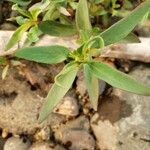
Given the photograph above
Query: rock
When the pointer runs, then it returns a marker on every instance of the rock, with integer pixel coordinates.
(75, 135)
(43, 135)
(7, 26)
(15, 143)
(20, 106)
(76, 139)
(45, 146)
(41, 146)
(105, 133)
(68, 106)
(122, 121)
(81, 123)
(58, 147)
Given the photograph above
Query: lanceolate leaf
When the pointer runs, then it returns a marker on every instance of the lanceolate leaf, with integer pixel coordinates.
(123, 27)
(130, 38)
(117, 78)
(59, 89)
(18, 34)
(92, 85)
(44, 54)
(82, 16)
(57, 29)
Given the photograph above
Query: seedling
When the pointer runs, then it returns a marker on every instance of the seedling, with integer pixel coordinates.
(83, 57)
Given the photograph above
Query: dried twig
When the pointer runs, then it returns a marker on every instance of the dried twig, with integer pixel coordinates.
(138, 51)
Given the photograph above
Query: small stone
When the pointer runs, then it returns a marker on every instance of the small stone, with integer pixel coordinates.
(75, 134)
(78, 140)
(5, 133)
(81, 123)
(58, 147)
(41, 146)
(68, 107)
(43, 134)
(14, 143)
(8, 26)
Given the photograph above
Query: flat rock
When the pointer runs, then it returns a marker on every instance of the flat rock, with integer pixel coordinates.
(20, 106)
(123, 119)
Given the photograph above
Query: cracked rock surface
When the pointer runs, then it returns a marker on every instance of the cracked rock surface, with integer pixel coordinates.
(123, 120)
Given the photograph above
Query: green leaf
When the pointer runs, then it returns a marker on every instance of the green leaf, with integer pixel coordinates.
(21, 2)
(37, 8)
(117, 78)
(82, 16)
(57, 29)
(44, 54)
(51, 10)
(64, 81)
(21, 11)
(123, 27)
(92, 85)
(18, 34)
(130, 38)
(33, 34)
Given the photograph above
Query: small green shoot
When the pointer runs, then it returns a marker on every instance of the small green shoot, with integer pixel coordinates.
(83, 57)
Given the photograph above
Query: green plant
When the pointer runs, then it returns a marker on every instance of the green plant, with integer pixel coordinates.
(30, 19)
(91, 44)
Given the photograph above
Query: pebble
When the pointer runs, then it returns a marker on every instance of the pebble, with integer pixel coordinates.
(75, 139)
(14, 143)
(43, 134)
(68, 107)
(8, 26)
(70, 134)
(40, 146)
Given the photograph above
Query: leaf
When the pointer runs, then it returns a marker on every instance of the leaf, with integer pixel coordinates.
(33, 34)
(82, 16)
(130, 38)
(18, 34)
(123, 27)
(92, 85)
(44, 54)
(57, 29)
(51, 10)
(21, 2)
(57, 92)
(21, 11)
(37, 8)
(117, 78)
